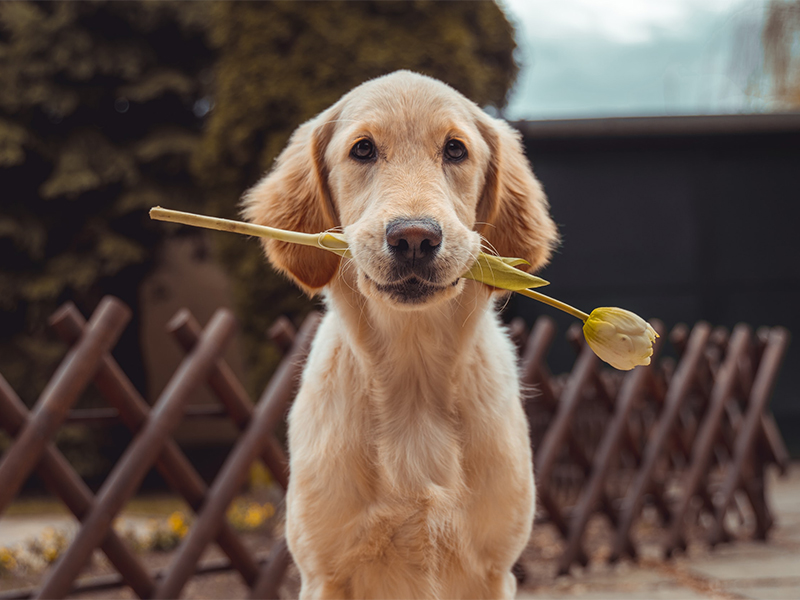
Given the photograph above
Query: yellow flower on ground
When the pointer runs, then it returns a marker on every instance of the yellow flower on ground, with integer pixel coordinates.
(253, 517)
(50, 553)
(8, 561)
(177, 524)
(621, 338)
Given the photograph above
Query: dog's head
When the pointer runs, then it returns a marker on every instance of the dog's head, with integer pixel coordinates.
(419, 178)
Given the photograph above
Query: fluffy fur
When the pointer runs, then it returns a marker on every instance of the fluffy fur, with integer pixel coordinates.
(410, 459)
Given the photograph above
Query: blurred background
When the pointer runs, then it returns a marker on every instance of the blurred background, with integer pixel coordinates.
(664, 134)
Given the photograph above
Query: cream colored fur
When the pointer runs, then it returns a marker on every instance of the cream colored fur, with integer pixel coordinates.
(411, 472)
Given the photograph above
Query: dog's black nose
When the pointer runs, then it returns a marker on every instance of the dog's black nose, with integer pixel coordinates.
(413, 241)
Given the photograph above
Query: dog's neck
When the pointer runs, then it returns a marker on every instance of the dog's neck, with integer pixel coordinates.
(416, 361)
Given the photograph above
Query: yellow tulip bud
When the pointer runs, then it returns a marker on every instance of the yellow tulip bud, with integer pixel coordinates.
(619, 337)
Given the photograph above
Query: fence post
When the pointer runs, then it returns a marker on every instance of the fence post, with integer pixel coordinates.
(140, 455)
(678, 389)
(172, 463)
(61, 479)
(268, 413)
(609, 446)
(70, 379)
(757, 402)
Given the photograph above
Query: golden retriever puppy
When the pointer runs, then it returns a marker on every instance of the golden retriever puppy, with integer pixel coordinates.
(411, 472)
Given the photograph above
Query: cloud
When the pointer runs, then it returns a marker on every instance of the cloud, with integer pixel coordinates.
(585, 58)
(618, 21)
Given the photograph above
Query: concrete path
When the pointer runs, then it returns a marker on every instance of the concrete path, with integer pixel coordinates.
(19, 530)
(743, 570)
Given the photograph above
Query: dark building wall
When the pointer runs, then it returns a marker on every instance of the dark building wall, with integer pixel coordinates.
(679, 218)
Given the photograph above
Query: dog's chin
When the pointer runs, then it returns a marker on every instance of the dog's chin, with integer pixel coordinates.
(411, 293)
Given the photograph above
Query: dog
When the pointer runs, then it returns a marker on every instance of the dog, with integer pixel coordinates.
(410, 460)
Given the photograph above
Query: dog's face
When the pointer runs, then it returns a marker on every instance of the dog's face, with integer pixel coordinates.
(407, 167)
(416, 175)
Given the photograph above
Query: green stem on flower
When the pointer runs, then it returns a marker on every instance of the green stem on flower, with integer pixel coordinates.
(337, 243)
(324, 240)
(177, 216)
(579, 314)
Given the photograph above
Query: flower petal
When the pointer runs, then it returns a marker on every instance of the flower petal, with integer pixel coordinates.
(619, 337)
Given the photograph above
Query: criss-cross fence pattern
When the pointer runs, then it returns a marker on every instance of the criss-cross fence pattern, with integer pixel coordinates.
(89, 360)
(688, 437)
(681, 433)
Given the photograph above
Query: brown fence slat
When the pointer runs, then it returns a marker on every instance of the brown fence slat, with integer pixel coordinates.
(140, 455)
(709, 430)
(556, 436)
(270, 410)
(678, 389)
(61, 479)
(172, 463)
(70, 379)
(775, 443)
(266, 588)
(633, 385)
(765, 379)
(110, 416)
(226, 386)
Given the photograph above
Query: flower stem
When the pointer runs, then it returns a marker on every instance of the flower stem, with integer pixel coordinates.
(579, 314)
(324, 240)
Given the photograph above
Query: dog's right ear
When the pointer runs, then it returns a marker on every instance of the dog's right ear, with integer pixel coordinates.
(294, 195)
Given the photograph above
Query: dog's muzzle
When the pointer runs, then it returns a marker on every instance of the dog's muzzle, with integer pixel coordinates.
(413, 245)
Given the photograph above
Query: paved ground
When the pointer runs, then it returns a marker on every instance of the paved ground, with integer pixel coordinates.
(768, 571)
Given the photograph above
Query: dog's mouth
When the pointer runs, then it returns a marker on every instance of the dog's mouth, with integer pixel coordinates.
(411, 290)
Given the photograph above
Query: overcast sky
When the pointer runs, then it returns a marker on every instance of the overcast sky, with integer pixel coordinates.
(590, 58)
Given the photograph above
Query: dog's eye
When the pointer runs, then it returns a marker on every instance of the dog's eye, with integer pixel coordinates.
(363, 150)
(455, 150)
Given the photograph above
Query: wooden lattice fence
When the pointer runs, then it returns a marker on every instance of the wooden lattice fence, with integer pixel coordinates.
(682, 433)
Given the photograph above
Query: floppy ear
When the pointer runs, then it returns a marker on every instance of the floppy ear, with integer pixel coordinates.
(513, 207)
(295, 196)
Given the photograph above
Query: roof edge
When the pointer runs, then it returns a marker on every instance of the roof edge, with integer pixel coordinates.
(662, 126)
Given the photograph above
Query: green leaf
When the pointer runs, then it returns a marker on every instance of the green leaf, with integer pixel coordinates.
(500, 272)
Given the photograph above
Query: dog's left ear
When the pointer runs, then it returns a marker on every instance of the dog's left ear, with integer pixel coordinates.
(513, 212)
(295, 196)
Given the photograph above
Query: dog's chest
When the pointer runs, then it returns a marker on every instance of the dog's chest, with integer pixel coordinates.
(415, 463)
(416, 428)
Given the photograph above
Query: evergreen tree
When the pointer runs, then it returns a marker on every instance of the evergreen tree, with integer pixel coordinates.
(782, 52)
(109, 108)
(100, 111)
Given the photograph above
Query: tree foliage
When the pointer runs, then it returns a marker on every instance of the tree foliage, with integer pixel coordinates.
(781, 51)
(96, 125)
(104, 112)
(282, 63)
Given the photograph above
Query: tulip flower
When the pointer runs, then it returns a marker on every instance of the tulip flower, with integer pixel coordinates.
(619, 337)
